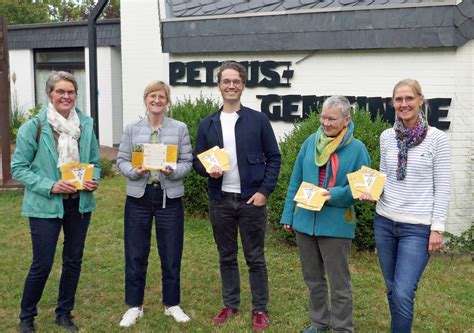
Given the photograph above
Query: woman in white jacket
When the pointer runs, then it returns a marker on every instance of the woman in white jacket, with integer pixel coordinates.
(154, 195)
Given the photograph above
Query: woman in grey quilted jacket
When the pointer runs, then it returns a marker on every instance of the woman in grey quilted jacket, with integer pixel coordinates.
(154, 196)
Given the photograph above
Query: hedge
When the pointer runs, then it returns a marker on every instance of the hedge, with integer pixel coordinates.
(191, 113)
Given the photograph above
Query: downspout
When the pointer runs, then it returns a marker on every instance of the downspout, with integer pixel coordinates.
(92, 35)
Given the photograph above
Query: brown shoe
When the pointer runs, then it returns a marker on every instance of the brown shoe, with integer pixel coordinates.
(223, 315)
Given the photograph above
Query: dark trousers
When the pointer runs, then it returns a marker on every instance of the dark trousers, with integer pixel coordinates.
(44, 238)
(139, 214)
(228, 217)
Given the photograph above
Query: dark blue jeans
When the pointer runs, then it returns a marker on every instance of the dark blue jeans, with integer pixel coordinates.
(402, 249)
(44, 238)
(229, 216)
(139, 214)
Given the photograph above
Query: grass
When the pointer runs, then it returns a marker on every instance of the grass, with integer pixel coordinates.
(445, 297)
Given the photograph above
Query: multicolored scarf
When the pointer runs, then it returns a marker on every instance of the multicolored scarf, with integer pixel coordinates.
(406, 139)
(326, 147)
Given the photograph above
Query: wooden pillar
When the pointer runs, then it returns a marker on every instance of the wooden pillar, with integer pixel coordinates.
(6, 180)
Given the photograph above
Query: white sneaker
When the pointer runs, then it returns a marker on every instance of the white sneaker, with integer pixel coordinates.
(177, 313)
(131, 316)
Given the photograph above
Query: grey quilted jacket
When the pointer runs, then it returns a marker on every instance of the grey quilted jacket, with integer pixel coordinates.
(171, 132)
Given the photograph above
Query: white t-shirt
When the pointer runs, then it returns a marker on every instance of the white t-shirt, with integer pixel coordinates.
(231, 178)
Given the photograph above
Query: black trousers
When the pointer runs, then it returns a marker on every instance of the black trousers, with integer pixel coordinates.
(230, 216)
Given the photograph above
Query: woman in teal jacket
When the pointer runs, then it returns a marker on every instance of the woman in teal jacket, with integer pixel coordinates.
(324, 237)
(59, 134)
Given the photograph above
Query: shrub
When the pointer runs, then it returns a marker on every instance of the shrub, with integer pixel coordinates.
(106, 168)
(16, 113)
(34, 111)
(463, 243)
(191, 113)
(17, 119)
(366, 130)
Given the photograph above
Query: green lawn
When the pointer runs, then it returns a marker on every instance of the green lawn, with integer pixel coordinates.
(445, 299)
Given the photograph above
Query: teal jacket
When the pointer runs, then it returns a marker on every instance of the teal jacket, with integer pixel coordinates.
(337, 217)
(35, 166)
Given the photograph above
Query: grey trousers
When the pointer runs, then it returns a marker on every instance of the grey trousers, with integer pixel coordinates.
(321, 256)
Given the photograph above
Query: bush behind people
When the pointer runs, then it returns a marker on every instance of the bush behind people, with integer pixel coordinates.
(190, 112)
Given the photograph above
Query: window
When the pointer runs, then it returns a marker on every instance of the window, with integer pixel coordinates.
(68, 60)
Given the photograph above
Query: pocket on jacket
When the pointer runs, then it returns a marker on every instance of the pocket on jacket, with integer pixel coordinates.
(257, 166)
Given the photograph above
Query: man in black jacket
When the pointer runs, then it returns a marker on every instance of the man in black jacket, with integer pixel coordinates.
(238, 196)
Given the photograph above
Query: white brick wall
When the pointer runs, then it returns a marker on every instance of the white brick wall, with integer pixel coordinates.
(117, 104)
(443, 72)
(21, 63)
(104, 86)
(142, 60)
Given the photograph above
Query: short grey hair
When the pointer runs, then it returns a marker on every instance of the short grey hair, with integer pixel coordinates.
(55, 77)
(338, 102)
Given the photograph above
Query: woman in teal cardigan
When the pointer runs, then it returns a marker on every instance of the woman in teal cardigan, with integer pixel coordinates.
(58, 135)
(324, 237)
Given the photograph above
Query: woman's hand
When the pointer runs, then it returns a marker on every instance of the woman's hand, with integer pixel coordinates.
(90, 185)
(366, 197)
(63, 186)
(327, 195)
(435, 242)
(167, 170)
(287, 228)
(142, 172)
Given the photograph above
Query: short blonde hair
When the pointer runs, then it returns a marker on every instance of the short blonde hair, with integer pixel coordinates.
(154, 86)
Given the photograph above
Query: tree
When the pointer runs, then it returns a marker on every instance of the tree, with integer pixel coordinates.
(22, 12)
(46, 11)
(71, 11)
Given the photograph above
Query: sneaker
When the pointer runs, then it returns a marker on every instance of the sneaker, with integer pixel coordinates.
(312, 329)
(177, 313)
(27, 325)
(67, 323)
(225, 314)
(131, 316)
(260, 321)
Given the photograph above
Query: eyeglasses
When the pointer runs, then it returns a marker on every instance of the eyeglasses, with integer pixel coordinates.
(227, 83)
(62, 93)
(329, 120)
(407, 100)
(157, 97)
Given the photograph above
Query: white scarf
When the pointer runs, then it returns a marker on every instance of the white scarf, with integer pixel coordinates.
(69, 132)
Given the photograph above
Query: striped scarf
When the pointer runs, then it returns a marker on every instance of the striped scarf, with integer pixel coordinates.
(406, 139)
(326, 147)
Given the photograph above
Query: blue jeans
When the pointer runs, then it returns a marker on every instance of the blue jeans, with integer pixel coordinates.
(139, 214)
(402, 249)
(228, 217)
(44, 238)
